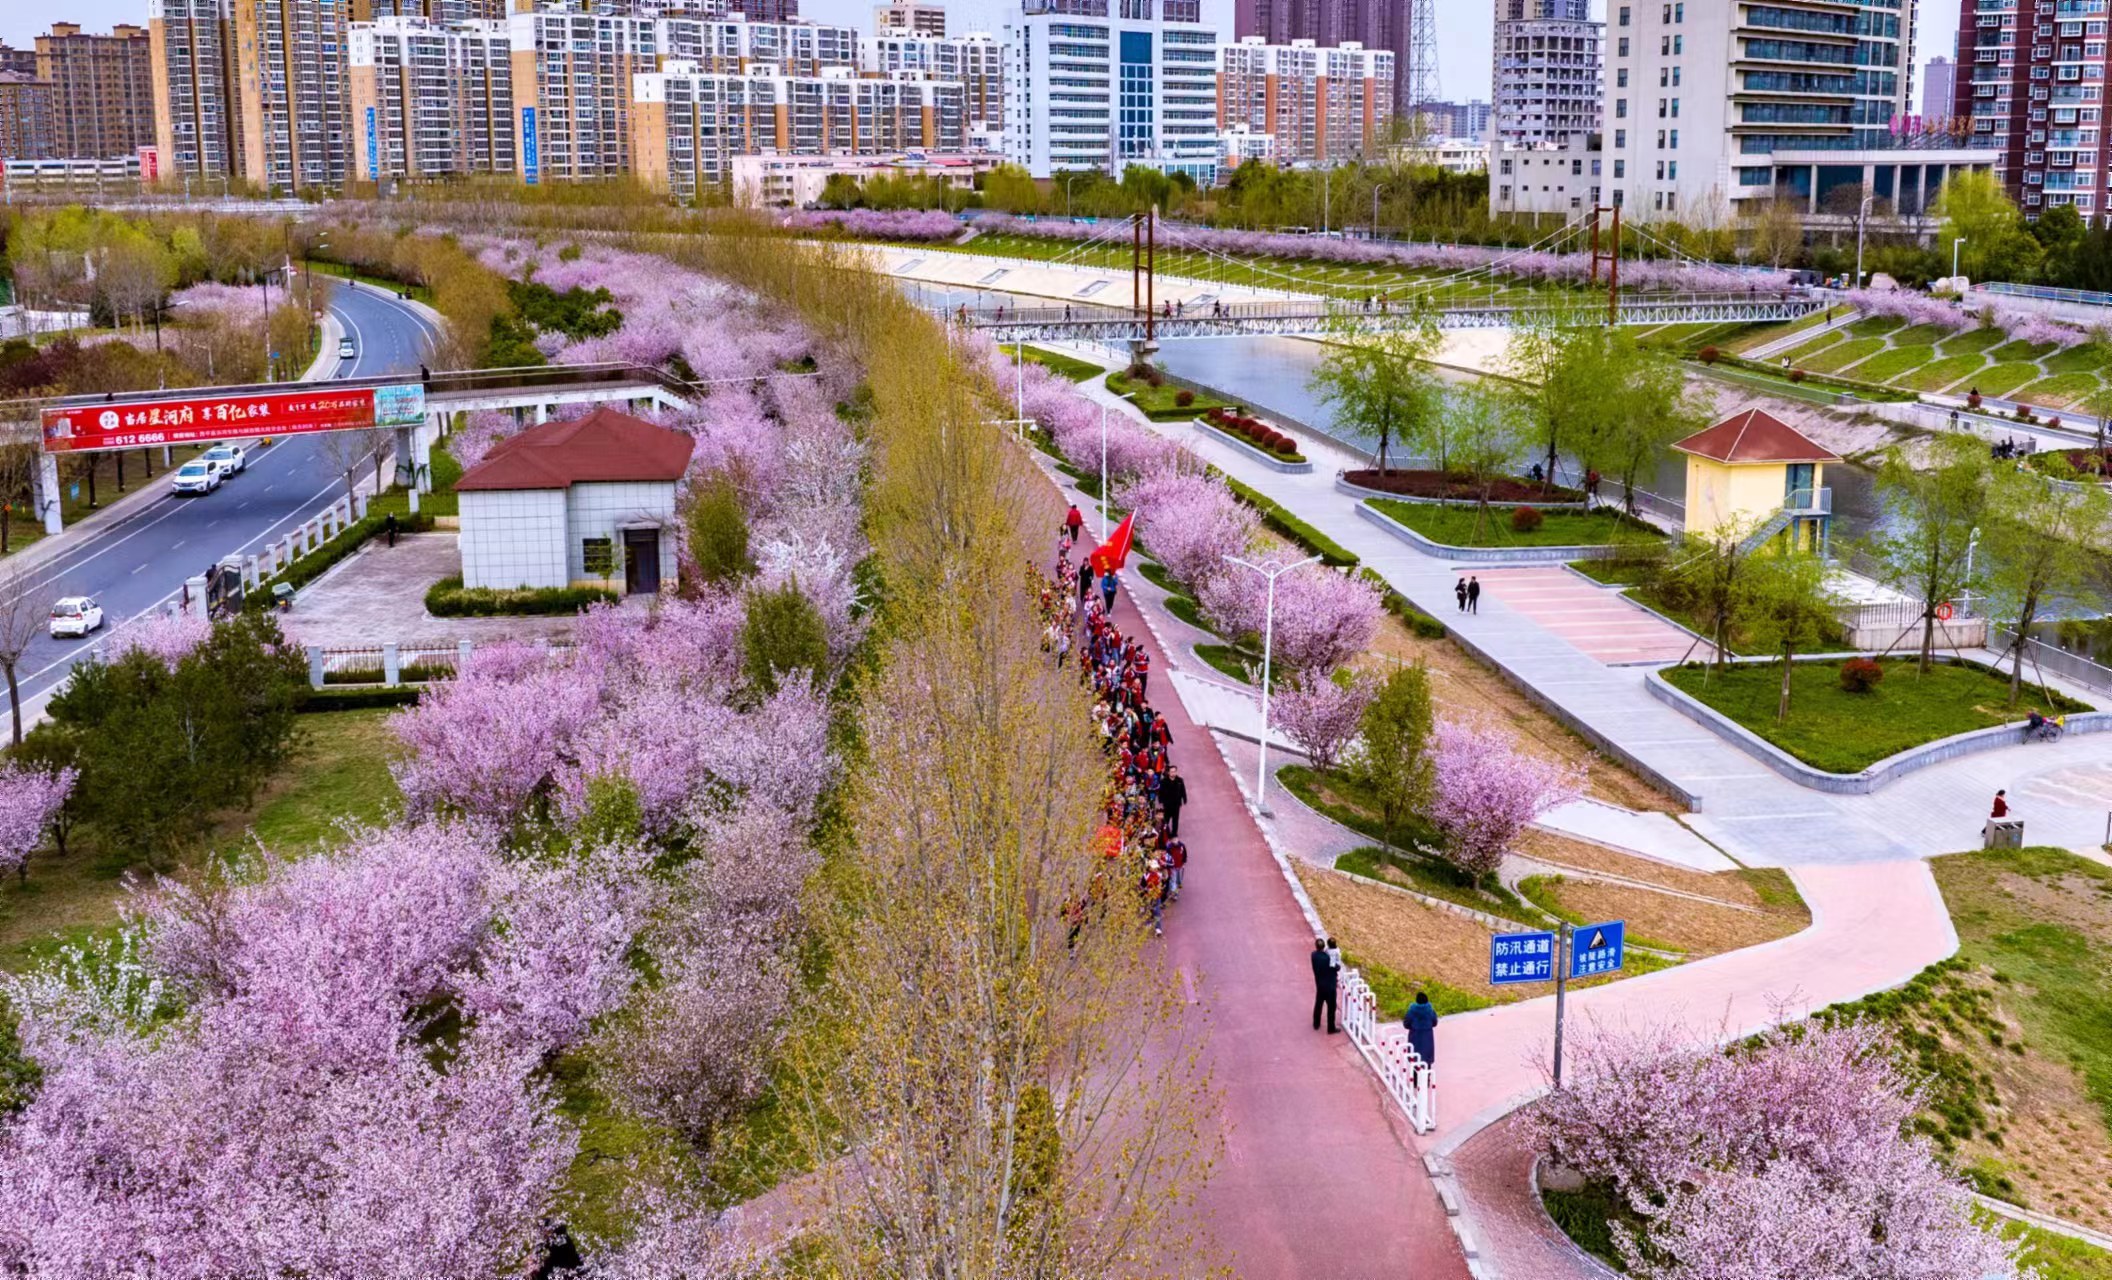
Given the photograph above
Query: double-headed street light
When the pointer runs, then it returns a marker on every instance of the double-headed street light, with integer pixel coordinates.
(1268, 638)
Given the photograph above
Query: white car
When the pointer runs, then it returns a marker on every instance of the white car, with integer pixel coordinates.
(196, 476)
(75, 616)
(228, 457)
(346, 351)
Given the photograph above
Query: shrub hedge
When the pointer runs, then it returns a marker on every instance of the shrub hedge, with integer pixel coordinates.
(1255, 432)
(448, 598)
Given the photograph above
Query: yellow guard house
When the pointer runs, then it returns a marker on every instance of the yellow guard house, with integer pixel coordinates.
(1754, 471)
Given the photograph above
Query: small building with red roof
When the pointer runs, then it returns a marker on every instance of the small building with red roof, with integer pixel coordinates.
(1753, 470)
(589, 502)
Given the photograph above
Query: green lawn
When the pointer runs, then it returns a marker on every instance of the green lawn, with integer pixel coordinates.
(2087, 358)
(1161, 403)
(1875, 326)
(1056, 362)
(1454, 526)
(2060, 390)
(1938, 374)
(1617, 573)
(1887, 365)
(1841, 732)
(2005, 378)
(1972, 340)
(1230, 660)
(1839, 356)
(1922, 335)
(341, 772)
(1816, 345)
(2021, 350)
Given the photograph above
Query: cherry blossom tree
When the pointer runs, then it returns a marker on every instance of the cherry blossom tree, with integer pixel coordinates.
(1488, 792)
(489, 740)
(1323, 619)
(166, 636)
(30, 798)
(1321, 715)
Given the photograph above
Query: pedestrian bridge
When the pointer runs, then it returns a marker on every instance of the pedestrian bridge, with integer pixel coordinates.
(1209, 317)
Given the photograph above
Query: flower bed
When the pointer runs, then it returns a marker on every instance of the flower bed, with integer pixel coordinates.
(1451, 486)
(1255, 432)
(1454, 526)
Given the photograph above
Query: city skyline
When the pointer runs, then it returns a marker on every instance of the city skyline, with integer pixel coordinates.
(1464, 29)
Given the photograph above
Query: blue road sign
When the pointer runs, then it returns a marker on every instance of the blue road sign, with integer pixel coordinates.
(1521, 957)
(1597, 948)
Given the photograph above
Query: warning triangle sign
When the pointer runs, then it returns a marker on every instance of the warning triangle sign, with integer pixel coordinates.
(1598, 940)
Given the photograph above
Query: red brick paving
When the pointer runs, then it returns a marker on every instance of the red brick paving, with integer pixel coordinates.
(1516, 1238)
(1318, 1180)
(1593, 618)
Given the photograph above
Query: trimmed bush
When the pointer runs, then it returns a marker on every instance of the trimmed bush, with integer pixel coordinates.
(1184, 397)
(1526, 519)
(1861, 675)
(1797, 375)
(448, 598)
(1708, 355)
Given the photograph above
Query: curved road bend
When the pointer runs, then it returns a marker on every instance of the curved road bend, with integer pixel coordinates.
(135, 562)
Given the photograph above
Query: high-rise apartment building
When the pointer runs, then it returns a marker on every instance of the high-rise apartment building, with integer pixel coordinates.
(431, 99)
(573, 68)
(916, 19)
(1375, 24)
(1322, 105)
(724, 46)
(197, 119)
(2032, 80)
(687, 124)
(29, 125)
(1104, 84)
(21, 62)
(1939, 89)
(436, 10)
(1547, 75)
(1702, 96)
(976, 61)
(291, 58)
(104, 86)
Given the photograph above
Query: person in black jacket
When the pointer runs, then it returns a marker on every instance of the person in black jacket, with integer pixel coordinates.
(1173, 793)
(1085, 579)
(1323, 985)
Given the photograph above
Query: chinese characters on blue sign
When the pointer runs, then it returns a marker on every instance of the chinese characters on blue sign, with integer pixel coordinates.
(1521, 957)
(1597, 948)
(531, 148)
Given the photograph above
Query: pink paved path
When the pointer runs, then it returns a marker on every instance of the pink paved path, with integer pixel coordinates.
(1874, 925)
(1592, 618)
(1318, 1180)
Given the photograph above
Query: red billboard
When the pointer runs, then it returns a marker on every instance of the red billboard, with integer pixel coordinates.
(134, 424)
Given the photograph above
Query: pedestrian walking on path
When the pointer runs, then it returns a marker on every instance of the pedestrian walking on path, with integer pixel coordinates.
(1459, 589)
(1073, 521)
(1473, 595)
(1323, 986)
(1108, 583)
(1173, 793)
(1085, 579)
(1421, 1022)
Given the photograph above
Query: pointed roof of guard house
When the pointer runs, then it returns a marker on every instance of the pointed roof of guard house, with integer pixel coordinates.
(605, 447)
(1754, 436)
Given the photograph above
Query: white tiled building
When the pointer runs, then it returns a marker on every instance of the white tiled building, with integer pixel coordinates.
(1104, 84)
(583, 503)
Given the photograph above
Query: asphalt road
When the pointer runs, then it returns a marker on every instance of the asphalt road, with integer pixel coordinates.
(132, 564)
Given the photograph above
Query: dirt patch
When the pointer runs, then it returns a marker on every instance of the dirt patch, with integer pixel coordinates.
(2056, 1128)
(1663, 920)
(1564, 851)
(1462, 687)
(1411, 938)
(1508, 490)
(2070, 901)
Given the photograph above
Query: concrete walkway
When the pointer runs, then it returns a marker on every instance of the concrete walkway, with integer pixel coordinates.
(1754, 814)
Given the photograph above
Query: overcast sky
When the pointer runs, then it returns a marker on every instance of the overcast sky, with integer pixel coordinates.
(1462, 27)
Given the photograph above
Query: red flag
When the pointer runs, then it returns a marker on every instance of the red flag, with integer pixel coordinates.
(1114, 553)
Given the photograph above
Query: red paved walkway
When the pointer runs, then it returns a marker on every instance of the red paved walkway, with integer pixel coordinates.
(1593, 618)
(1318, 1180)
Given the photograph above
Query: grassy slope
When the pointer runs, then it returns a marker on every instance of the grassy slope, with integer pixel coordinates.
(1832, 729)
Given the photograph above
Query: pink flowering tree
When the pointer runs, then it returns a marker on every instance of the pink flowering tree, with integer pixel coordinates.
(167, 637)
(488, 741)
(1323, 619)
(1790, 1155)
(1321, 715)
(1189, 520)
(1487, 792)
(30, 800)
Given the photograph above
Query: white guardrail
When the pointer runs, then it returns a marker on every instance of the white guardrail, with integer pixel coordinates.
(1411, 1081)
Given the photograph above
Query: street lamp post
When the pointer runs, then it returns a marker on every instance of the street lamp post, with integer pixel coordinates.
(1103, 473)
(1972, 544)
(1861, 214)
(1954, 255)
(1268, 637)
